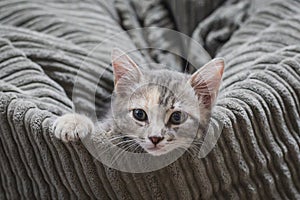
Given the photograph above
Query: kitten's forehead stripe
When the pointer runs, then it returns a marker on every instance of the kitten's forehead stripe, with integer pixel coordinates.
(167, 97)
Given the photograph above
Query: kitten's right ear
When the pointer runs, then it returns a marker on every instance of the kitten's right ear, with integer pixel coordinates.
(124, 67)
(206, 81)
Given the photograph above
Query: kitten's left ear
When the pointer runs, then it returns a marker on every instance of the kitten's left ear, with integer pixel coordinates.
(206, 81)
(124, 67)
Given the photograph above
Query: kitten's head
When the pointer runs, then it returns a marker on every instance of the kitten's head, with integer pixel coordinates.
(160, 109)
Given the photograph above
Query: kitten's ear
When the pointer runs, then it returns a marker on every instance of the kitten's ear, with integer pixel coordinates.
(206, 81)
(123, 64)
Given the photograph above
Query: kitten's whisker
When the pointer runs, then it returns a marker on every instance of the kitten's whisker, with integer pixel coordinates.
(190, 148)
(137, 146)
(122, 152)
(125, 135)
(114, 146)
(116, 137)
(131, 136)
(120, 142)
(118, 152)
(123, 142)
(122, 136)
(127, 144)
(134, 144)
(187, 150)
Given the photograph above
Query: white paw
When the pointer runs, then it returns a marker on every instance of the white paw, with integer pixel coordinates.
(71, 127)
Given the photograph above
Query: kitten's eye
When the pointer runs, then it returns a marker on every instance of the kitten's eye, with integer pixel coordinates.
(139, 114)
(177, 117)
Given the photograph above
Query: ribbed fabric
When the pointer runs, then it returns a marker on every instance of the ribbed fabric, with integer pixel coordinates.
(43, 44)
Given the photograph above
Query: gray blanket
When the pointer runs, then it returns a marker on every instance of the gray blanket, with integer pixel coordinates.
(43, 44)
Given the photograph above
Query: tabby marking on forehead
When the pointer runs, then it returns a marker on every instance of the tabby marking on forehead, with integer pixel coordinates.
(145, 98)
(167, 97)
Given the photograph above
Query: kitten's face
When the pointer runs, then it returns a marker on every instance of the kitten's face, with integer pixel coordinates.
(161, 110)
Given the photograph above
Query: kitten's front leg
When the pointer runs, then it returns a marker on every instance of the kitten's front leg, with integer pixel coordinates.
(71, 127)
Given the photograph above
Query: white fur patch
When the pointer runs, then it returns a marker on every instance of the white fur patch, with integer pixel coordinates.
(152, 98)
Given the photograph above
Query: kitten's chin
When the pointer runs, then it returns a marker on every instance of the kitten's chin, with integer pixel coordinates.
(158, 151)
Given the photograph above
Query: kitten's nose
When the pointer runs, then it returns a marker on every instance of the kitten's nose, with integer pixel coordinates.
(155, 139)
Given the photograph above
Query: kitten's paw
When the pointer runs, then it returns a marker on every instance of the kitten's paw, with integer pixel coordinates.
(71, 127)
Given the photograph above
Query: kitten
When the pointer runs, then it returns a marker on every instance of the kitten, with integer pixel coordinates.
(160, 110)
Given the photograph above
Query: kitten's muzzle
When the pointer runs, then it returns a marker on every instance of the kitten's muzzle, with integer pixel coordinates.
(155, 139)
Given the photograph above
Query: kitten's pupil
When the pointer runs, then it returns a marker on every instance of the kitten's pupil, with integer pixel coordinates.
(140, 115)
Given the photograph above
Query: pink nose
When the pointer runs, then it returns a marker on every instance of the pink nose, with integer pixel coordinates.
(155, 140)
